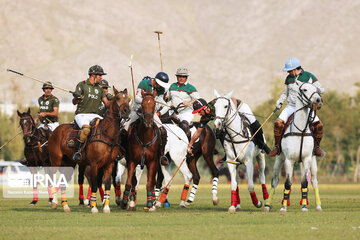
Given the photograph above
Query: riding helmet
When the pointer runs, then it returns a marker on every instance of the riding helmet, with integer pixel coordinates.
(199, 105)
(104, 83)
(291, 64)
(182, 72)
(47, 85)
(97, 70)
(162, 79)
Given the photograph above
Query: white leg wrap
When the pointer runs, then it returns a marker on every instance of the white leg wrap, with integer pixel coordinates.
(214, 187)
(193, 192)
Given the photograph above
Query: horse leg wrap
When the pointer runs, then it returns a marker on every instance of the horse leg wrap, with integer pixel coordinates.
(304, 196)
(89, 193)
(132, 194)
(237, 196)
(36, 194)
(49, 192)
(106, 200)
(53, 192)
(184, 192)
(233, 198)
(164, 195)
(81, 191)
(317, 196)
(193, 192)
(265, 192)
(118, 190)
(254, 198)
(215, 183)
(93, 199)
(286, 200)
(136, 196)
(125, 196)
(63, 197)
(150, 199)
(101, 191)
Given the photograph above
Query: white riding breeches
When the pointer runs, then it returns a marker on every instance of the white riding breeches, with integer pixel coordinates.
(85, 118)
(186, 115)
(288, 110)
(245, 109)
(51, 126)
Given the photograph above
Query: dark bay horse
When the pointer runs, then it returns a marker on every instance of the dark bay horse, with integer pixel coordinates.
(36, 148)
(143, 149)
(103, 146)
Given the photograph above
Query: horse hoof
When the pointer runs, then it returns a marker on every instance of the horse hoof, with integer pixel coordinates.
(132, 206)
(304, 208)
(232, 209)
(267, 208)
(215, 201)
(188, 203)
(318, 208)
(123, 204)
(283, 209)
(106, 209)
(94, 210)
(158, 205)
(53, 205)
(33, 203)
(238, 207)
(67, 209)
(259, 204)
(152, 209)
(182, 204)
(118, 201)
(86, 202)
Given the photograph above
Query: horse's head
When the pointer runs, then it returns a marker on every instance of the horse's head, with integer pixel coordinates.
(120, 103)
(310, 96)
(27, 125)
(148, 107)
(223, 106)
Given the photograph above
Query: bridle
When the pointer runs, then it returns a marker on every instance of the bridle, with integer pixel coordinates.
(28, 135)
(147, 115)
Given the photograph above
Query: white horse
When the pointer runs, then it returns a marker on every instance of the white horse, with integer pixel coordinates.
(237, 136)
(297, 146)
(176, 146)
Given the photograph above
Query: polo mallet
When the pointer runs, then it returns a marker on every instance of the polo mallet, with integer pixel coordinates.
(158, 34)
(236, 162)
(10, 140)
(132, 75)
(35, 79)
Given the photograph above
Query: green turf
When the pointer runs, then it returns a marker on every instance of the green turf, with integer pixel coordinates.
(339, 220)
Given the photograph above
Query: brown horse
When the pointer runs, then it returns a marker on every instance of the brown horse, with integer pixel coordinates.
(143, 148)
(36, 148)
(102, 148)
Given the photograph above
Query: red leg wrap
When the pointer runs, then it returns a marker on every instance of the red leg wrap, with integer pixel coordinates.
(254, 198)
(233, 198)
(101, 191)
(36, 195)
(118, 190)
(89, 194)
(265, 192)
(164, 195)
(184, 192)
(81, 191)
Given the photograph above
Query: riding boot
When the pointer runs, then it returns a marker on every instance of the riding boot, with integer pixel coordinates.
(184, 125)
(163, 137)
(318, 133)
(278, 128)
(259, 139)
(84, 133)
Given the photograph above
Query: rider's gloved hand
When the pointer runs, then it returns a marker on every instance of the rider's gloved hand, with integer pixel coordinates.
(278, 106)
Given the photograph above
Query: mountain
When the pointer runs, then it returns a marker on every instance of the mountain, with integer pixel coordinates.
(230, 45)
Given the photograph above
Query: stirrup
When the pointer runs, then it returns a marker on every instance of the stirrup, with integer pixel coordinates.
(77, 156)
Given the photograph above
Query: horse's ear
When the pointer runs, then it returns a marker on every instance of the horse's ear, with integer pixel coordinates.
(28, 111)
(125, 91)
(217, 95)
(18, 113)
(229, 94)
(115, 90)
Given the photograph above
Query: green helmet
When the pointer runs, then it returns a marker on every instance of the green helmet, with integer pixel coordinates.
(97, 70)
(47, 85)
(104, 83)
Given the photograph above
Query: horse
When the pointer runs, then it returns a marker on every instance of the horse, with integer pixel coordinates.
(143, 148)
(36, 148)
(102, 148)
(237, 136)
(297, 146)
(204, 146)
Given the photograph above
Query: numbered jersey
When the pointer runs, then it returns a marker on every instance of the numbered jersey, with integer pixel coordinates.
(91, 96)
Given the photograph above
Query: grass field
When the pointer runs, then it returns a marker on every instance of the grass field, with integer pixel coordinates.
(339, 220)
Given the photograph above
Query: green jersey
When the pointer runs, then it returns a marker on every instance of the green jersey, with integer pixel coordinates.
(303, 77)
(48, 105)
(147, 86)
(208, 117)
(91, 96)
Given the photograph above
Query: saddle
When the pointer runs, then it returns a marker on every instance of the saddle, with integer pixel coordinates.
(73, 136)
